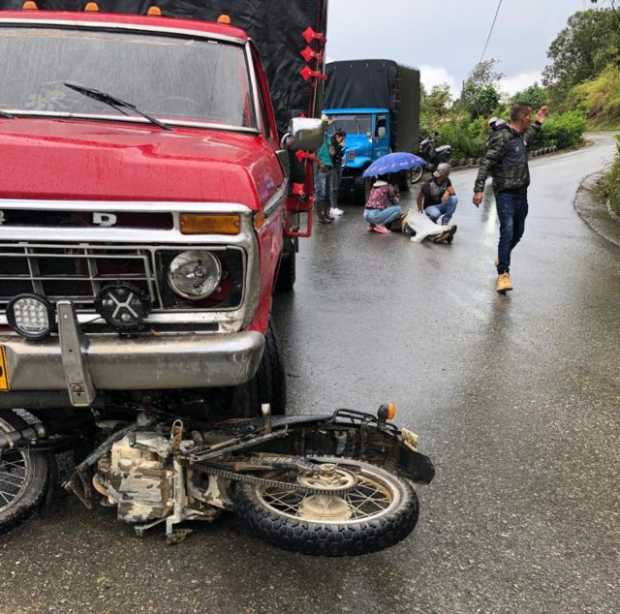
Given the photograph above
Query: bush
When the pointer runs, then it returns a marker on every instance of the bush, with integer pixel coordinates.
(599, 98)
(467, 137)
(613, 182)
(564, 130)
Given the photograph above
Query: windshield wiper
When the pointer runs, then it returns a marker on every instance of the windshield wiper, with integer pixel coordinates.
(7, 115)
(116, 103)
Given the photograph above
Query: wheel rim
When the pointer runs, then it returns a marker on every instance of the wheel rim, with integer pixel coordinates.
(415, 174)
(15, 469)
(372, 497)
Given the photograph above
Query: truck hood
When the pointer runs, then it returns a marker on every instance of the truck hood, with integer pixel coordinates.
(97, 160)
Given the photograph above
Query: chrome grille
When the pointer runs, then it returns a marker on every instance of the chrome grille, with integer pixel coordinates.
(75, 272)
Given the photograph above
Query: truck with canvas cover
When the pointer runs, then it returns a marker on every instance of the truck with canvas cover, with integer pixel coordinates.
(377, 104)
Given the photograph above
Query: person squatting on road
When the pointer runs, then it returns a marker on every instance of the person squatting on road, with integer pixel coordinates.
(437, 198)
(336, 153)
(322, 183)
(382, 207)
(506, 160)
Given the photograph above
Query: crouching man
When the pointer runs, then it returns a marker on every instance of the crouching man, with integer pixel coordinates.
(437, 199)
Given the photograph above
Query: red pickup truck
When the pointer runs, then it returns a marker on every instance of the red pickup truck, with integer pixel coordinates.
(150, 201)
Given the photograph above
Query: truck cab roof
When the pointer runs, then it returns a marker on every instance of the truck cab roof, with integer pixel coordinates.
(142, 22)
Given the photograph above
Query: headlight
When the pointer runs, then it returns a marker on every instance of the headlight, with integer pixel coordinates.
(123, 307)
(195, 274)
(31, 316)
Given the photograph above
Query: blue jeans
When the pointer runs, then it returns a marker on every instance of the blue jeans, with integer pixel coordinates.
(444, 210)
(322, 184)
(511, 210)
(335, 177)
(379, 217)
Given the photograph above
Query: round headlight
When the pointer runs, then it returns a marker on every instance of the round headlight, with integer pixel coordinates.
(195, 274)
(31, 316)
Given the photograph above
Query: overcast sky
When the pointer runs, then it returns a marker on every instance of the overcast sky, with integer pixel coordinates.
(444, 38)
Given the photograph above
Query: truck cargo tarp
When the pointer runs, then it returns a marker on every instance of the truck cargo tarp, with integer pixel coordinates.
(276, 26)
(382, 84)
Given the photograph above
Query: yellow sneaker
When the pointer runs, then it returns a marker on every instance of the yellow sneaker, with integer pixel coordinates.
(504, 283)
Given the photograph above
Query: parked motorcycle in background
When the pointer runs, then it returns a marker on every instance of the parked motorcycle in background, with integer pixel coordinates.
(433, 157)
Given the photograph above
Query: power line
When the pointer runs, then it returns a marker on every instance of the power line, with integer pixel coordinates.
(486, 45)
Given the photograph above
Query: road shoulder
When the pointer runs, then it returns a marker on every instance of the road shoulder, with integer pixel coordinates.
(593, 210)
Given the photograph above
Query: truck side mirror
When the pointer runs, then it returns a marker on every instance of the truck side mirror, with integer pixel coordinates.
(304, 133)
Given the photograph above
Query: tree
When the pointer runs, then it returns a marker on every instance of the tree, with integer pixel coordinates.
(534, 95)
(589, 42)
(480, 95)
(437, 102)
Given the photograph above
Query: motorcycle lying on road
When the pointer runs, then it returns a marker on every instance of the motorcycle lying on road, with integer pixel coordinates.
(433, 156)
(341, 484)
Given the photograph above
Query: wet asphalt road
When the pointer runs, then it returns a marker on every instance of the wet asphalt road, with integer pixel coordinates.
(517, 400)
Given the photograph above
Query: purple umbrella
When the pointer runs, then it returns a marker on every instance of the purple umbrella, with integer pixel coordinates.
(393, 163)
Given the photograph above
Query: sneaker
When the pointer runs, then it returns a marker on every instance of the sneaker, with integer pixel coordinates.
(335, 212)
(325, 220)
(504, 283)
(382, 230)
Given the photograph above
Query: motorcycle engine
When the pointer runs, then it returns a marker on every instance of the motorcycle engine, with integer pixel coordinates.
(137, 476)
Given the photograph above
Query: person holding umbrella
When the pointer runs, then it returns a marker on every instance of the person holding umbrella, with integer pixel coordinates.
(382, 207)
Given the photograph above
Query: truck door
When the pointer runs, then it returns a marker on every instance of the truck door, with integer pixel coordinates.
(381, 138)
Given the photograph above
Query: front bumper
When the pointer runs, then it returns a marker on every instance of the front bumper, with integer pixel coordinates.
(138, 363)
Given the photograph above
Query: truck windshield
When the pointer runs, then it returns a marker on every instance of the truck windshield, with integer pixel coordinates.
(171, 78)
(353, 124)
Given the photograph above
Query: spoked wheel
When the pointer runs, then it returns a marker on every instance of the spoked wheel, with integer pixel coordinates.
(415, 174)
(23, 477)
(362, 509)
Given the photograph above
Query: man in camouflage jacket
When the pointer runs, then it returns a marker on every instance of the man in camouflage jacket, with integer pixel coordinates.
(506, 161)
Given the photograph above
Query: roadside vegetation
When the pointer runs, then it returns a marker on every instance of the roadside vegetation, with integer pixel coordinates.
(581, 84)
(611, 183)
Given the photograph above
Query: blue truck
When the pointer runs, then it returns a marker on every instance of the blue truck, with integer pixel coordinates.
(377, 104)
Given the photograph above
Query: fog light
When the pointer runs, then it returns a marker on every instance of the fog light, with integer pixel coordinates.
(195, 274)
(31, 316)
(123, 307)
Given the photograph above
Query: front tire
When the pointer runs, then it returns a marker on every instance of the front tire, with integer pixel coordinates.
(23, 477)
(267, 386)
(382, 510)
(287, 273)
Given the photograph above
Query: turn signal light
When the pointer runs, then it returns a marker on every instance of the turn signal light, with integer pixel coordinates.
(391, 411)
(91, 7)
(210, 224)
(224, 19)
(29, 5)
(259, 220)
(154, 11)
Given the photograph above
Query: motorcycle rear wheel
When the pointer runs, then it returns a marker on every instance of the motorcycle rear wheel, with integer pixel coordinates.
(23, 477)
(378, 512)
(415, 174)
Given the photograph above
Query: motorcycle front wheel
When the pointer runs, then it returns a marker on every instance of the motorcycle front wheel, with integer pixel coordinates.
(374, 510)
(23, 477)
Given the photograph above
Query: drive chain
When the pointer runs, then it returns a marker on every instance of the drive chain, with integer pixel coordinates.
(267, 483)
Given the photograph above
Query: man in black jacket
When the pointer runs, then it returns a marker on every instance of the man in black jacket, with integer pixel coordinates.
(506, 161)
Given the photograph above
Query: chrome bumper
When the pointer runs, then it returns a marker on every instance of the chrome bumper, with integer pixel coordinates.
(139, 363)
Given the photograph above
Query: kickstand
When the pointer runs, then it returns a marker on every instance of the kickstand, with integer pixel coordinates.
(141, 529)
